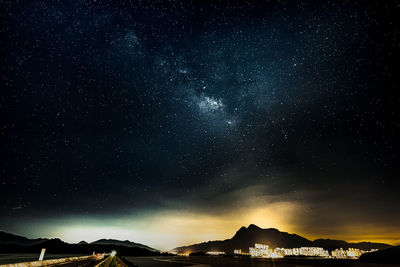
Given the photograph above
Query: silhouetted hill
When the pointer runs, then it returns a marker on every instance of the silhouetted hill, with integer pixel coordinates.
(10, 243)
(7, 238)
(331, 244)
(125, 243)
(59, 247)
(83, 242)
(247, 237)
(389, 255)
(271, 236)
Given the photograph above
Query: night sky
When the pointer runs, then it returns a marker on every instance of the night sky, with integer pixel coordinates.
(169, 123)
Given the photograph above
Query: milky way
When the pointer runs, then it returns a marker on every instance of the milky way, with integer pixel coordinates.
(167, 110)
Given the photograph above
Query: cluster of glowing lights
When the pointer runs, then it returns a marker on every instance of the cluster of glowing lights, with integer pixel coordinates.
(216, 253)
(237, 251)
(351, 253)
(186, 254)
(304, 251)
(264, 251)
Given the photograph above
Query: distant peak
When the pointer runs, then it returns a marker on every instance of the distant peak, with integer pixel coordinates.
(253, 227)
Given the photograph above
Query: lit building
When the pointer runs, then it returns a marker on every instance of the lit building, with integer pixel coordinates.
(264, 251)
(260, 250)
(350, 253)
(237, 251)
(216, 253)
(187, 254)
(313, 252)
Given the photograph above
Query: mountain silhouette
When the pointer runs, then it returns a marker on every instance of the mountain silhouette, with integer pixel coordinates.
(125, 243)
(10, 243)
(247, 237)
(7, 238)
(331, 244)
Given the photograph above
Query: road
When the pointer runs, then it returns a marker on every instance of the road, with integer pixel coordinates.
(164, 261)
(244, 262)
(82, 261)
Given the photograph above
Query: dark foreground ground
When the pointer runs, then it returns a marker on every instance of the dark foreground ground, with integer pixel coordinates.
(162, 261)
(241, 262)
(6, 258)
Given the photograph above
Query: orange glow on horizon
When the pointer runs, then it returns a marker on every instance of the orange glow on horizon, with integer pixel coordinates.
(166, 230)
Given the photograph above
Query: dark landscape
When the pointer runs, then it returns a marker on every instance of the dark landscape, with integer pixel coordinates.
(242, 262)
(389, 255)
(10, 243)
(16, 248)
(199, 133)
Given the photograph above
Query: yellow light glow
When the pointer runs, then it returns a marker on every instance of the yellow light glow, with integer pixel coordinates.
(167, 229)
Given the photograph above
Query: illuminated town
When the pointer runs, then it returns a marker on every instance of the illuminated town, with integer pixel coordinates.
(264, 251)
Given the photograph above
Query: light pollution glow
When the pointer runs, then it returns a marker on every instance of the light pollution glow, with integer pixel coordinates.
(166, 230)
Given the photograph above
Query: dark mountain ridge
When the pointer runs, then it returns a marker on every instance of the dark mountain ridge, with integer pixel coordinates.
(247, 237)
(331, 244)
(57, 246)
(7, 238)
(125, 243)
(10, 243)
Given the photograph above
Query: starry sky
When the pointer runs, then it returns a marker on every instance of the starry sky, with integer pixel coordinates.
(169, 123)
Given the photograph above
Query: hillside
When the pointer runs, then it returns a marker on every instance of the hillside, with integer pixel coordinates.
(247, 237)
(10, 243)
(125, 243)
(7, 238)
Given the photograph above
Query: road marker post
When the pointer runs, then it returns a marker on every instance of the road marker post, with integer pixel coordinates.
(42, 254)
